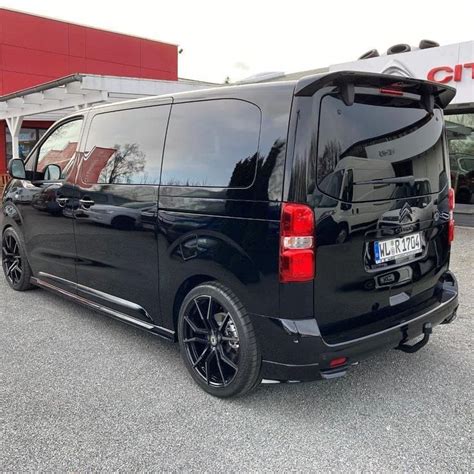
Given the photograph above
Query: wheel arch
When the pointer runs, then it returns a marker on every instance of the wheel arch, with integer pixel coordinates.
(185, 287)
(6, 226)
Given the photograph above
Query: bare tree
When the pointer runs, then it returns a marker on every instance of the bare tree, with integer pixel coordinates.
(126, 162)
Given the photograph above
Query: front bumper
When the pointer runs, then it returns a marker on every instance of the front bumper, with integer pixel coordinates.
(294, 350)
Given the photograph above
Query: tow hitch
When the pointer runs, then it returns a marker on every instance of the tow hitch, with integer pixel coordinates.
(427, 330)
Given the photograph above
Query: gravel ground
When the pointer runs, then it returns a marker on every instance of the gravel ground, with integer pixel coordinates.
(80, 391)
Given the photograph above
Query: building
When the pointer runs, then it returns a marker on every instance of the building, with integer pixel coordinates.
(49, 68)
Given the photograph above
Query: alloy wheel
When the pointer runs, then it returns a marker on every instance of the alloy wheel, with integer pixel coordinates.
(11, 259)
(211, 341)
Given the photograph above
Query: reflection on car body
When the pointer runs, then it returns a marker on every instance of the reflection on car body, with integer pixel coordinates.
(124, 217)
(462, 176)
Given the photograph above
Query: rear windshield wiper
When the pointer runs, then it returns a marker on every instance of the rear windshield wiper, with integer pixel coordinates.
(400, 180)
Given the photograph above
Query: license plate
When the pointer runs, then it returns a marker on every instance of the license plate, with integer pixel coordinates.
(401, 246)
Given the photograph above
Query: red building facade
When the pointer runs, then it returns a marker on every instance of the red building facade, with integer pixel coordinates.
(34, 50)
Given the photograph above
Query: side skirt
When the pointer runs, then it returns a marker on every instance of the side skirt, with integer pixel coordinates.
(152, 328)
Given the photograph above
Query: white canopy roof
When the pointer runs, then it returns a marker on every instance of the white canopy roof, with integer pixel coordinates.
(56, 99)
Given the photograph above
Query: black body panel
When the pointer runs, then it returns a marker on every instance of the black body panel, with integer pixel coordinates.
(229, 234)
(295, 349)
(47, 229)
(116, 247)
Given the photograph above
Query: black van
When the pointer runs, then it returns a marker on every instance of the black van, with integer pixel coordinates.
(279, 231)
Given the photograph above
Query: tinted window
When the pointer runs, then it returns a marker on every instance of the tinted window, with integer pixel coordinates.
(378, 138)
(212, 143)
(125, 147)
(467, 164)
(60, 147)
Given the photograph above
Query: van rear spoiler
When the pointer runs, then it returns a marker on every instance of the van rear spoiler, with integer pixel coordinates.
(430, 92)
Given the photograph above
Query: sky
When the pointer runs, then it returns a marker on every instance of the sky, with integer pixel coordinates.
(238, 39)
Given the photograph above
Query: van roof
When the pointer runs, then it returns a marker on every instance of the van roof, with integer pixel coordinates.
(211, 92)
(306, 86)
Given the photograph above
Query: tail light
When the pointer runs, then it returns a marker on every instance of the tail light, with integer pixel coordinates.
(297, 262)
(451, 200)
(452, 204)
(391, 92)
(337, 362)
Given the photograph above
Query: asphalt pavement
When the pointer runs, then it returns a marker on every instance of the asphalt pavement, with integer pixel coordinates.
(80, 391)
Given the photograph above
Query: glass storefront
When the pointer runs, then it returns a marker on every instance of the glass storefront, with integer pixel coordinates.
(28, 138)
(460, 130)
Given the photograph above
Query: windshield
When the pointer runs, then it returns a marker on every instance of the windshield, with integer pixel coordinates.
(391, 147)
(467, 163)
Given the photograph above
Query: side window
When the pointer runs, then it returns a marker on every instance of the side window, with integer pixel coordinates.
(59, 148)
(212, 143)
(126, 146)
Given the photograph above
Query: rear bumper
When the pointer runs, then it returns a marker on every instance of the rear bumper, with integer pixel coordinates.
(294, 350)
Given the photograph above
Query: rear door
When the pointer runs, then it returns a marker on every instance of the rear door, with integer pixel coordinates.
(117, 257)
(382, 241)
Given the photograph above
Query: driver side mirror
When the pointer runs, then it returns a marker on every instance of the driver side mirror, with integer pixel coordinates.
(16, 168)
(52, 172)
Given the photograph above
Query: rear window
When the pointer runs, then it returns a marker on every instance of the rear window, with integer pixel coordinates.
(379, 148)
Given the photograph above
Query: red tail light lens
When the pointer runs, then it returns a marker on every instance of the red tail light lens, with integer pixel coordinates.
(451, 230)
(296, 265)
(337, 362)
(297, 220)
(297, 262)
(391, 92)
(452, 204)
(451, 199)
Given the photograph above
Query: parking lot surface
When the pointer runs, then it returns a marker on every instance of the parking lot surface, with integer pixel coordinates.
(80, 391)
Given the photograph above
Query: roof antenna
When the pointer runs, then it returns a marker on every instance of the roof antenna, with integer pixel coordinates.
(373, 53)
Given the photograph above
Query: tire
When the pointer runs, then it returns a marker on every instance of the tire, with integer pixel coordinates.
(342, 234)
(217, 341)
(15, 264)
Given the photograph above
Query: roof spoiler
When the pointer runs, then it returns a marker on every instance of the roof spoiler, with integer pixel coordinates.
(431, 92)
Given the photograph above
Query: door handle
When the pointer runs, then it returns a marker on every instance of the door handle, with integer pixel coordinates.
(86, 202)
(62, 201)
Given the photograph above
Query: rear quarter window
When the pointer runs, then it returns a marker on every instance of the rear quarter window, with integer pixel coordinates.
(212, 143)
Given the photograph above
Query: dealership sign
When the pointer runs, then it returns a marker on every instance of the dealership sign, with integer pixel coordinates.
(446, 74)
(452, 64)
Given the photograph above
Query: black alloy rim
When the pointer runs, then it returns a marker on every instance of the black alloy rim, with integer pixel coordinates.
(211, 340)
(11, 259)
